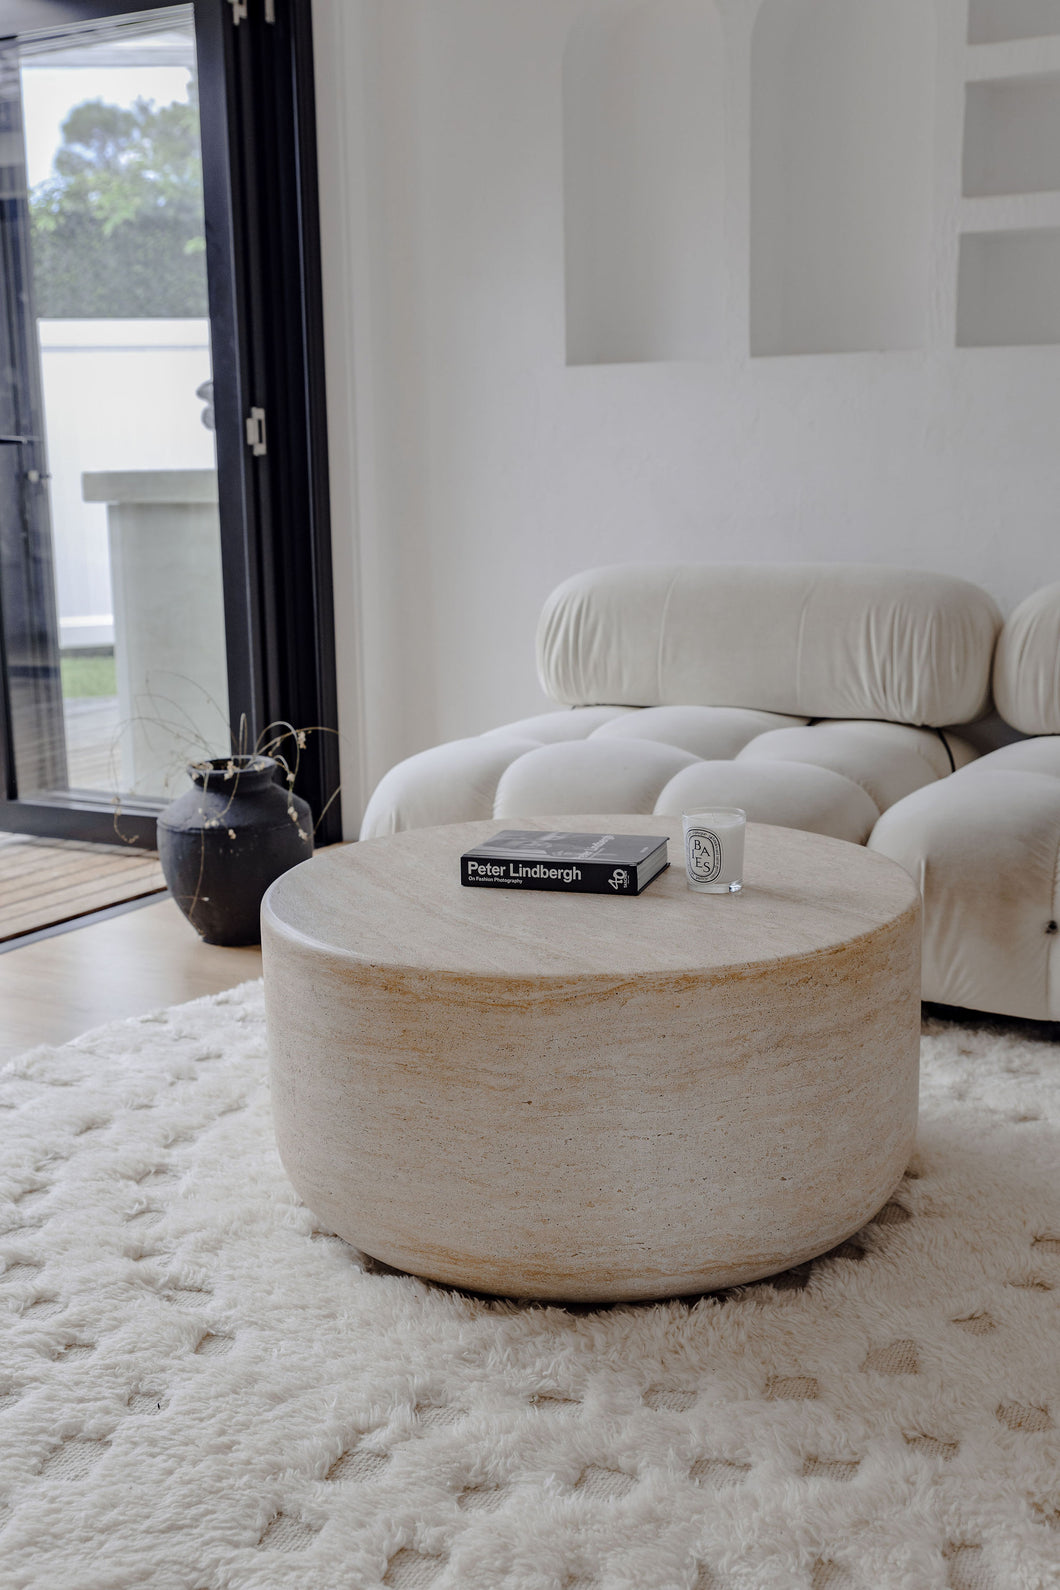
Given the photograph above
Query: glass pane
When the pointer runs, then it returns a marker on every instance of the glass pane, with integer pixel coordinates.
(115, 320)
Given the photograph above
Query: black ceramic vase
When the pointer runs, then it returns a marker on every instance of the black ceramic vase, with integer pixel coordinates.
(223, 842)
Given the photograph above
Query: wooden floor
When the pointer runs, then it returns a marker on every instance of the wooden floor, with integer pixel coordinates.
(44, 881)
(147, 958)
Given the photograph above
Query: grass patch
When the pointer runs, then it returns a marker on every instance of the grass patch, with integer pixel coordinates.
(88, 676)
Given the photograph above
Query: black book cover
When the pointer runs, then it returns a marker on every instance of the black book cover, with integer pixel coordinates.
(572, 862)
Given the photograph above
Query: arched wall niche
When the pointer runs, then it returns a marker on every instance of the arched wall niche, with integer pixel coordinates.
(841, 162)
(643, 182)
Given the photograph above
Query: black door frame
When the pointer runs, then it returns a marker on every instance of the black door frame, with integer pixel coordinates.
(257, 113)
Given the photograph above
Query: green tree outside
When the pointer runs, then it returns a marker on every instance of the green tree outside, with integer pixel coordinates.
(117, 229)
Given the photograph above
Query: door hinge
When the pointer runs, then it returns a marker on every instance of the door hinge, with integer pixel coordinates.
(240, 11)
(256, 432)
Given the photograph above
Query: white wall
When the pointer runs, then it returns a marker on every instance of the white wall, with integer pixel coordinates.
(643, 182)
(473, 468)
(841, 119)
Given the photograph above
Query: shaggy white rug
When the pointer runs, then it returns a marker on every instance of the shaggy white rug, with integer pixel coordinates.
(198, 1391)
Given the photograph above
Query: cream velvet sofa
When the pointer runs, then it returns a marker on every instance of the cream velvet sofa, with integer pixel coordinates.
(828, 697)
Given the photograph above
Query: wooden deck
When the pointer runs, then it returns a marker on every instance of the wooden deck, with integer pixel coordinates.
(93, 734)
(47, 881)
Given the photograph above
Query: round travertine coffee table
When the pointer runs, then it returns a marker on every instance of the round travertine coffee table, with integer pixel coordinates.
(574, 1096)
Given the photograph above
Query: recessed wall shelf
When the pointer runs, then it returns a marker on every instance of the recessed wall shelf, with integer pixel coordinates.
(1016, 58)
(1017, 212)
(991, 21)
(643, 183)
(1008, 289)
(841, 135)
(1012, 136)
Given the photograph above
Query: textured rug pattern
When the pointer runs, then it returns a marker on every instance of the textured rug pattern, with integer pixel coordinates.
(199, 1391)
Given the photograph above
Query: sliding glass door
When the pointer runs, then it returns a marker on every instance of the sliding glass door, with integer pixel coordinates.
(112, 594)
(151, 602)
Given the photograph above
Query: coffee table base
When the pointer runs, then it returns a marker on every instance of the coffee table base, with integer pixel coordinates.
(590, 1137)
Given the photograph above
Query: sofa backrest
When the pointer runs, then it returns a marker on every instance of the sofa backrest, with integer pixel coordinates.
(1027, 664)
(829, 640)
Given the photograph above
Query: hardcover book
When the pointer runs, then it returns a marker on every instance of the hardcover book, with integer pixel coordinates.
(579, 863)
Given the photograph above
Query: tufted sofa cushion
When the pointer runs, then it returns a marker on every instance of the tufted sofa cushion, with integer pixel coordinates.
(829, 778)
(984, 847)
(809, 640)
(451, 783)
(788, 795)
(1027, 664)
(589, 776)
(692, 683)
(888, 760)
(705, 731)
(548, 727)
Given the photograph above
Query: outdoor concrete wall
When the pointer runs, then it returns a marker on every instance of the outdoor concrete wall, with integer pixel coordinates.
(474, 466)
(118, 395)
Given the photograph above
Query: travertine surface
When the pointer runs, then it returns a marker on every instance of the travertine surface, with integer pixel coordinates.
(583, 1097)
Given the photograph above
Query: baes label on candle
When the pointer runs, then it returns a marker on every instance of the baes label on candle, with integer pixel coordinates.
(703, 850)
